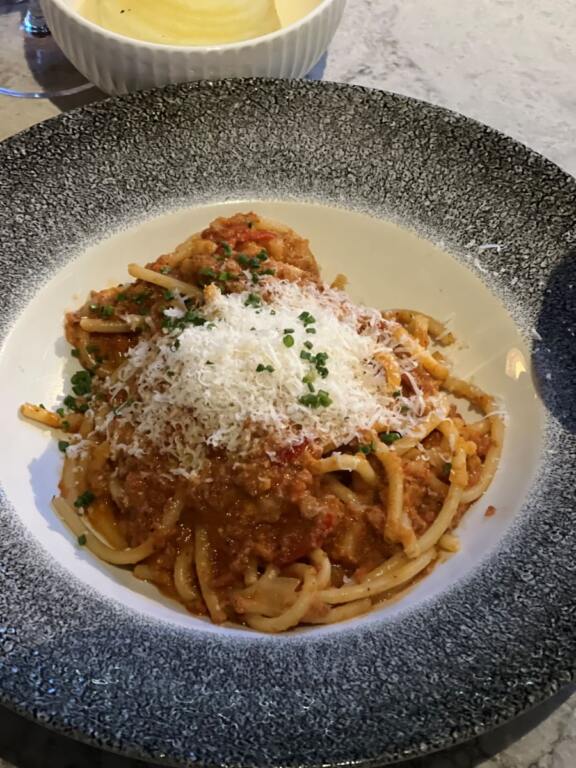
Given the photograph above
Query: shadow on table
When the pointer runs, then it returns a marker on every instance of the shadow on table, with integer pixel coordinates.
(554, 353)
(28, 745)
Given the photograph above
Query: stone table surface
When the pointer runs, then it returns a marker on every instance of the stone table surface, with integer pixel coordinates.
(507, 63)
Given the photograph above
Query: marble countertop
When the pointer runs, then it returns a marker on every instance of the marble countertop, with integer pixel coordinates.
(507, 63)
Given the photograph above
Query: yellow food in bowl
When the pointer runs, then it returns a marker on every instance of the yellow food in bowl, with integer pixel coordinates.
(194, 22)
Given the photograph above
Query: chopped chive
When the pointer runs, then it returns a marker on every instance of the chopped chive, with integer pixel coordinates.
(106, 310)
(367, 448)
(253, 300)
(168, 295)
(310, 330)
(261, 367)
(315, 400)
(63, 445)
(308, 344)
(288, 341)
(389, 437)
(60, 411)
(84, 500)
(305, 355)
(225, 276)
(446, 469)
(81, 383)
(209, 362)
(65, 424)
(207, 272)
(262, 256)
(226, 248)
(321, 358)
(82, 540)
(306, 318)
(75, 352)
(404, 410)
(267, 271)
(397, 393)
(288, 330)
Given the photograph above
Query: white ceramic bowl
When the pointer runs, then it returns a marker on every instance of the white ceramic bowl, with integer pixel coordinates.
(119, 64)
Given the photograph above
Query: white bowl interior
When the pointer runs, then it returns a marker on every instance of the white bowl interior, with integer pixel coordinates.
(387, 267)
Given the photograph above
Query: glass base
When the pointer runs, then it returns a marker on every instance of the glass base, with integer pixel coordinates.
(31, 64)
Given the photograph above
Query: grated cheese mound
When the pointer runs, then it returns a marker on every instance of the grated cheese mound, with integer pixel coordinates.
(237, 378)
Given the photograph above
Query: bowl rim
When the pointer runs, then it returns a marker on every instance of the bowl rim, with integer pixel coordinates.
(72, 12)
(503, 639)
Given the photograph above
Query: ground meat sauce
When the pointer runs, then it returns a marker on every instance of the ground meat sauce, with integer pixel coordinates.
(274, 511)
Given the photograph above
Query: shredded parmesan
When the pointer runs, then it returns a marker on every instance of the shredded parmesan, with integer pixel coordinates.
(236, 379)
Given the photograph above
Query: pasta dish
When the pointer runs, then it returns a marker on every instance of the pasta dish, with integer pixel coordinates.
(263, 450)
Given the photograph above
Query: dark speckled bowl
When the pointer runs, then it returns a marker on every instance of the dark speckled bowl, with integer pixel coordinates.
(477, 655)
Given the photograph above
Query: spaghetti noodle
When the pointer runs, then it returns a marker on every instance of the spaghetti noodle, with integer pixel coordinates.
(256, 445)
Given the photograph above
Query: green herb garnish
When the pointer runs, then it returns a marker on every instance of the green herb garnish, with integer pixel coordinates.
(63, 445)
(288, 341)
(208, 273)
(389, 437)
(261, 367)
(85, 499)
(82, 540)
(81, 383)
(224, 276)
(367, 448)
(253, 300)
(306, 318)
(179, 323)
(316, 400)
